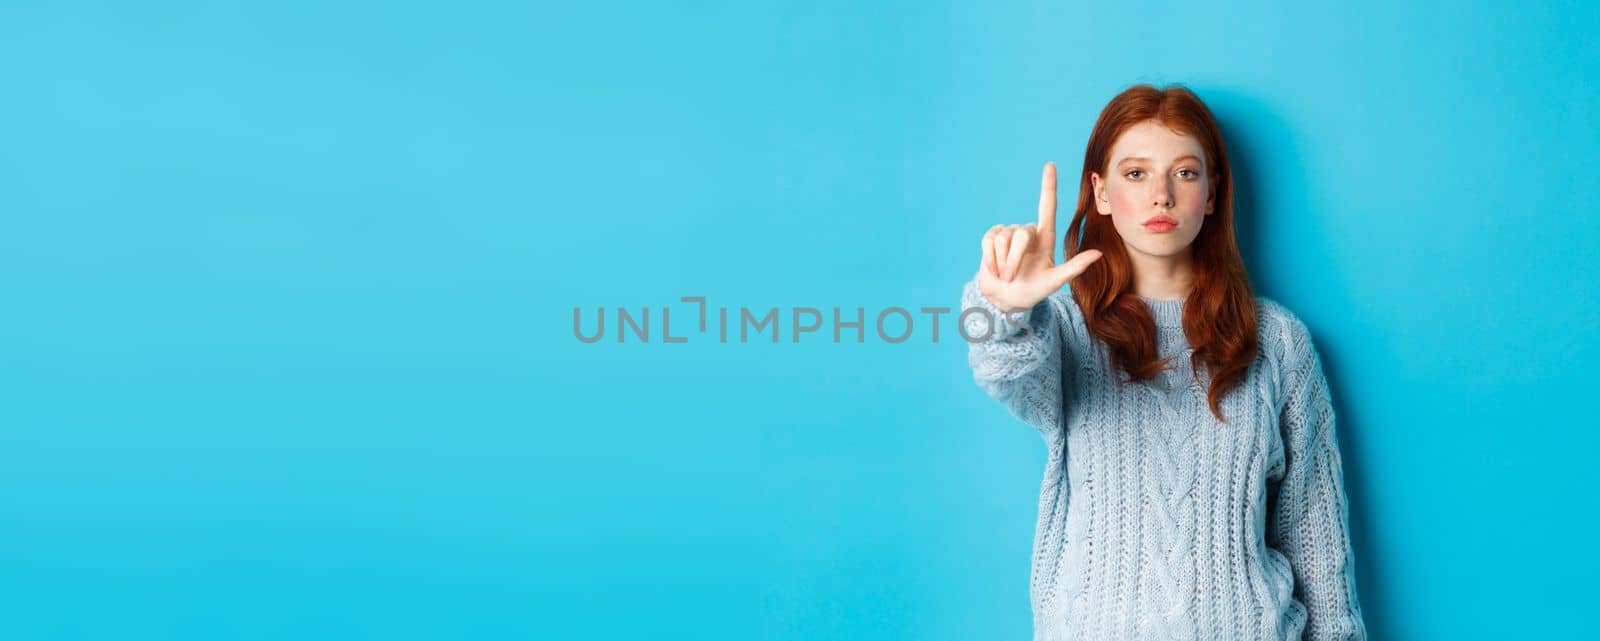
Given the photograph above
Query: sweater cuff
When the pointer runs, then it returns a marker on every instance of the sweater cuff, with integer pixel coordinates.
(983, 321)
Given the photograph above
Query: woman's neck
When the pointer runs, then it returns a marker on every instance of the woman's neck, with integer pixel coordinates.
(1163, 277)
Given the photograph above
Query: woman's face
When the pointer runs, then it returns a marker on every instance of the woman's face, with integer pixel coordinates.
(1155, 172)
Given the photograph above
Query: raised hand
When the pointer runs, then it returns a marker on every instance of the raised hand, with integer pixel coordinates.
(1019, 261)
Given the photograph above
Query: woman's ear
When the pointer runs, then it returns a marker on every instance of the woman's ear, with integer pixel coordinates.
(1100, 203)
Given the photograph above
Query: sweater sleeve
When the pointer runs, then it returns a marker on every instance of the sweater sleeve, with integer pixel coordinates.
(1015, 357)
(1309, 520)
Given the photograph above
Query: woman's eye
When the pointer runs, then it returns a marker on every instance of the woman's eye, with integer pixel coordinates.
(1132, 176)
(1188, 173)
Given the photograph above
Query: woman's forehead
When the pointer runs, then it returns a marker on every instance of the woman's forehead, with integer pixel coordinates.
(1155, 142)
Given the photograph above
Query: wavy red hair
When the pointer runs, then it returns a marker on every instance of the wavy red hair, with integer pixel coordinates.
(1219, 315)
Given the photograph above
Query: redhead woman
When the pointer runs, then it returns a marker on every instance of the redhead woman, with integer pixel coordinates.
(1194, 487)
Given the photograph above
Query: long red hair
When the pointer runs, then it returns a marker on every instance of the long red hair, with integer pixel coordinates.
(1219, 315)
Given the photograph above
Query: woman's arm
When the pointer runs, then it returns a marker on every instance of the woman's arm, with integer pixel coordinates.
(1019, 363)
(1016, 356)
(1310, 517)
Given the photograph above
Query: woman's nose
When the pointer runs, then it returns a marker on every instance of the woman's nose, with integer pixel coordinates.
(1163, 193)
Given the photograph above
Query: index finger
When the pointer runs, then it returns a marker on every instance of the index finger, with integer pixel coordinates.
(1047, 203)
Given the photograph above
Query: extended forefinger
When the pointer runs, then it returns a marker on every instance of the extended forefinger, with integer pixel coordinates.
(1047, 202)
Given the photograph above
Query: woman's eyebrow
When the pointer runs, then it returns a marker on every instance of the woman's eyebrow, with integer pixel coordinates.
(1174, 161)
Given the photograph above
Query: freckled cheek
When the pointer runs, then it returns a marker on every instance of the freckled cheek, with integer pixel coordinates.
(1126, 202)
(1191, 195)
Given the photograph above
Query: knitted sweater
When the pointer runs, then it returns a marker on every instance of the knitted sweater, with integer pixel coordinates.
(1157, 521)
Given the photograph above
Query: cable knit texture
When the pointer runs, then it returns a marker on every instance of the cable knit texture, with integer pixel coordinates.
(1156, 520)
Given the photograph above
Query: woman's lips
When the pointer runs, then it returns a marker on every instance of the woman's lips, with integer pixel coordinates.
(1160, 226)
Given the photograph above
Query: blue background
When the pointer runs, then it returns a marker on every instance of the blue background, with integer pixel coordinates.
(288, 293)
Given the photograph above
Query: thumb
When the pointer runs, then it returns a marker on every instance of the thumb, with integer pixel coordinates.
(1060, 274)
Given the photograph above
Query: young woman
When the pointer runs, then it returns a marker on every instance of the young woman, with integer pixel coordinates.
(1193, 488)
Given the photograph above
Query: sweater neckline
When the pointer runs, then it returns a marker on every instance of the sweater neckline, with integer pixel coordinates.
(1168, 313)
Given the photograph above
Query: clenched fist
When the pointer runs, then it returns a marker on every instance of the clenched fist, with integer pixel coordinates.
(1019, 261)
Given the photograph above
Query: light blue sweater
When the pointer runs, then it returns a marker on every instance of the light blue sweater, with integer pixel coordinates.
(1157, 521)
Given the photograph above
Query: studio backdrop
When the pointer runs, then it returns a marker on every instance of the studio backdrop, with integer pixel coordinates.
(302, 307)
